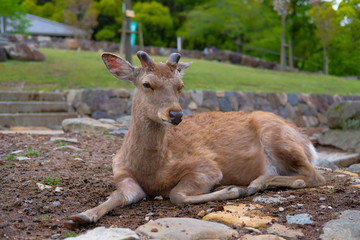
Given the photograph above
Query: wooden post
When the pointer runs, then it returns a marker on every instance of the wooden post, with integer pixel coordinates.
(291, 58)
(123, 36)
(141, 39)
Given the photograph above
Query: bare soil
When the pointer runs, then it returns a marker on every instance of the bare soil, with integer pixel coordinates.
(26, 212)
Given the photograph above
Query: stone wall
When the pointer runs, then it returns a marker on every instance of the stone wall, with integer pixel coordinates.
(305, 110)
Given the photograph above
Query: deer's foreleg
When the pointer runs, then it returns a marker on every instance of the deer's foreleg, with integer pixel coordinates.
(128, 191)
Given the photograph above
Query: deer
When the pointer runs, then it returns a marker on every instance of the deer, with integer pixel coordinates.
(184, 158)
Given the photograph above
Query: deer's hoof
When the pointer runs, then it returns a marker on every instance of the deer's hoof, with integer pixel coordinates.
(77, 221)
(251, 191)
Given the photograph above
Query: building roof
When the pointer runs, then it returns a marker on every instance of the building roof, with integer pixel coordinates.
(46, 27)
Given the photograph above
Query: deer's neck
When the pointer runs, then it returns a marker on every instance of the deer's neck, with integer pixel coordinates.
(145, 144)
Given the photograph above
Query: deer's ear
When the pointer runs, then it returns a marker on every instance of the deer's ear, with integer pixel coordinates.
(118, 67)
(182, 66)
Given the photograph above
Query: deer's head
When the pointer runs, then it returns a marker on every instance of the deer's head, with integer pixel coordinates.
(158, 85)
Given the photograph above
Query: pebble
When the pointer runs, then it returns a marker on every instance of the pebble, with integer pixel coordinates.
(68, 148)
(42, 186)
(275, 199)
(281, 209)
(61, 139)
(322, 199)
(58, 189)
(301, 219)
(20, 158)
(159, 198)
(56, 203)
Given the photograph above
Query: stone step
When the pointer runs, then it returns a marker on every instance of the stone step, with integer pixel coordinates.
(50, 120)
(31, 96)
(34, 107)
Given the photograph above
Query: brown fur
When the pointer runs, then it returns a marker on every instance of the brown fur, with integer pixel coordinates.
(184, 162)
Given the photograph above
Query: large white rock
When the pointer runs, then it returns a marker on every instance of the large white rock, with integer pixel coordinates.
(185, 229)
(108, 234)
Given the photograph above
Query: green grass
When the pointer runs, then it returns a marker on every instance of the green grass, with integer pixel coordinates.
(66, 69)
(51, 181)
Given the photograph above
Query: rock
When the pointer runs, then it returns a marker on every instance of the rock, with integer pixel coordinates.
(185, 228)
(24, 52)
(62, 139)
(86, 124)
(225, 105)
(339, 159)
(20, 158)
(354, 168)
(68, 149)
(108, 234)
(275, 199)
(197, 97)
(344, 115)
(283, 231)
(56, 203)
(301, 219)
(121, 131)
(241, 214)
(346, 172)
(3, 57)
(124, 120)
(261, 237)
(344, 227)
(292, 99)
(107, 120)
(192, 106)
(347, 140)
(98, 114)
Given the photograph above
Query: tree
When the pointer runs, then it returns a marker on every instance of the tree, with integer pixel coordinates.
(324, 17)
(14, 11)
(282, 8)
(156, 21)
(81, 14)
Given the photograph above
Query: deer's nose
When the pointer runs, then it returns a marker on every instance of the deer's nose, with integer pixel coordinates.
(175, 117)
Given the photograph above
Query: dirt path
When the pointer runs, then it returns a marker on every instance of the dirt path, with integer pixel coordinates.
(85, 179)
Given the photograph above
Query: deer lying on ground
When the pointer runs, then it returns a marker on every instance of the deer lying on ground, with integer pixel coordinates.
(184, 159)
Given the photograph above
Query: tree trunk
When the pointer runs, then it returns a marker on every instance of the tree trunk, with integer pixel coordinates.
(326, 62)
(282, 53)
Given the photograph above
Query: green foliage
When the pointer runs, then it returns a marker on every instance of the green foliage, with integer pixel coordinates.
(51, 181)
(108, 33)
(351, 123)
(15, 12)
(30, 154)
(157, 24)
(71, 235)
(10, 157)
(10, 164)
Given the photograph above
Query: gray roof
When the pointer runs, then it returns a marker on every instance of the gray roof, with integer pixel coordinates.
(45, 27)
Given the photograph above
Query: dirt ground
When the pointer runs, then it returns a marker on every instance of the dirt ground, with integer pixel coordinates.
(26, 212)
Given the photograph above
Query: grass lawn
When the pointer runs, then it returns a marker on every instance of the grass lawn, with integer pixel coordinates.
(66, 69)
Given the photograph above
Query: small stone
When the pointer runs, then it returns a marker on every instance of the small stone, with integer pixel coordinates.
(58, 189)
(17, 152)
(159, 198)
(261, 237)
(276, 199)
(301, 219)
(202, 213)
(354, 168)
(322, 199)
(322, 206)
(154, 230)
(56, 203)
(192, 106)
(55, 236)
(42, 186)
(281, 209)
(68, 149)
(61, 139)
(240, 215)
(20, 158)
(284, 231)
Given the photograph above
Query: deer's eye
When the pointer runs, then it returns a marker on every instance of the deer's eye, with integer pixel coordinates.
(147, 85)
